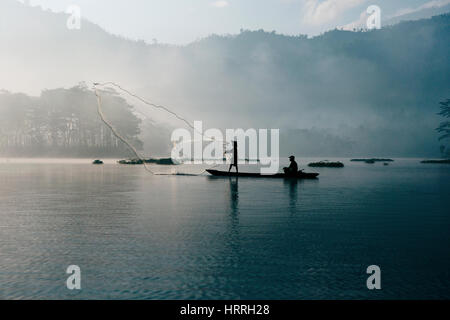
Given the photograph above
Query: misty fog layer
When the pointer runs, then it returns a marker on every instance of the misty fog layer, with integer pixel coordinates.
(339, 94)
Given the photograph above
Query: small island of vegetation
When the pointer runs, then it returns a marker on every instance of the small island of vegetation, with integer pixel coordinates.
(326, 164)
(372, 160)
(446, 161)
(162, 161)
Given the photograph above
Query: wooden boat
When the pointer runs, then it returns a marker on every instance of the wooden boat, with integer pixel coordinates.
(300, 175)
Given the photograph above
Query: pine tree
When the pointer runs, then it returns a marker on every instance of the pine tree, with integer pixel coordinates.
(444, 127)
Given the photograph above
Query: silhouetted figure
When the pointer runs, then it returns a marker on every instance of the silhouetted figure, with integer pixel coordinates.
(293, 167)
(235, 157)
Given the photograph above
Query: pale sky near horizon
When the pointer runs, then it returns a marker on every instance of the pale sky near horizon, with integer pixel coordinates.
(183, 21)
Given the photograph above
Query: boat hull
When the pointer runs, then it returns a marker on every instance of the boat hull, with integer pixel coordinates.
(300, 175)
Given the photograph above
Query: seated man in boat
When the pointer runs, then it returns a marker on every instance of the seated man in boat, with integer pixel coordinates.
(293, 167)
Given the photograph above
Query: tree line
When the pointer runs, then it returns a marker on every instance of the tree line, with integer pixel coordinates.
(444, 127)
(64, 122)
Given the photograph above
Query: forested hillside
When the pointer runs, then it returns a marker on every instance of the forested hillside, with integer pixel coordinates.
(341, 93)
(64, 122)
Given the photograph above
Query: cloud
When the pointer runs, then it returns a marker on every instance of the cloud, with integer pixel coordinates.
(220, 4)
(428, 5)
(321, 12)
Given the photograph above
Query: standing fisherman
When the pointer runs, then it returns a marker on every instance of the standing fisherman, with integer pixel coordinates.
(235, 157)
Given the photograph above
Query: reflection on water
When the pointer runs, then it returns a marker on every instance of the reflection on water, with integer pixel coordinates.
(138, 236)
(292, 185)
(234, 196)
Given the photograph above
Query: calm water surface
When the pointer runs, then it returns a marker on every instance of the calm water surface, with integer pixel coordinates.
(138, 236)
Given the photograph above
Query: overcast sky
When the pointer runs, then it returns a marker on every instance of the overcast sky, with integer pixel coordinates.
(183, 21)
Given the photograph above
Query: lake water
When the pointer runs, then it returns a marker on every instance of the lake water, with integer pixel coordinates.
(138, 236)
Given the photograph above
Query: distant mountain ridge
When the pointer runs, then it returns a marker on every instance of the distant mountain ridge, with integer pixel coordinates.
(357, 93)
(425, 13)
